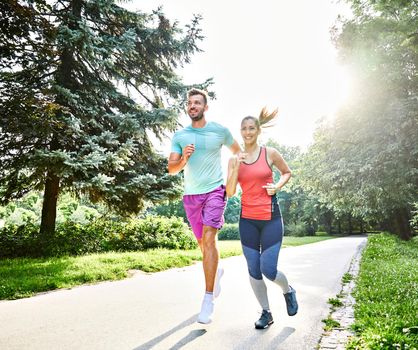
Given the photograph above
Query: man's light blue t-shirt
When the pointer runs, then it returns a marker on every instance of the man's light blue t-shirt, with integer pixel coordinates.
(203, 171)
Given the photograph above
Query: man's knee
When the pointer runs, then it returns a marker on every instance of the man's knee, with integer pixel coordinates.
(209, 236)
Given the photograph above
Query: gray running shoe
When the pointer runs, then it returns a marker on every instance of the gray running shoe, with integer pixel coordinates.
(291, 302)
(265, 320)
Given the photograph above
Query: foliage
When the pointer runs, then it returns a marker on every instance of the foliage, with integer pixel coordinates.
(155, 232)
(69, 208)
(330, 323)
(82, 86)
(347, 278)
(233, 209)
(364, 164)
(335, 302)
(229, 232)
(386, 295)
(169, 209)
(99, 236)
(297, 229)
(414, 219)
(297, 203)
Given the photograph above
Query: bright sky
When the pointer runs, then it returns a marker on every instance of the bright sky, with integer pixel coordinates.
(268, 52)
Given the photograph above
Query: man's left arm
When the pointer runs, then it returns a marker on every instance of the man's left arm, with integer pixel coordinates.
(235, 148)
(230, 142)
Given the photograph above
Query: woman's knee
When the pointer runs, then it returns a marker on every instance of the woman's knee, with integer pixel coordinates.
(253, 262)
(270, 272)
(255, 272)
(268, 261)
(268, 269)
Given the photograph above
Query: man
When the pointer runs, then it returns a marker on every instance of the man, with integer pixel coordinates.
(197, 150)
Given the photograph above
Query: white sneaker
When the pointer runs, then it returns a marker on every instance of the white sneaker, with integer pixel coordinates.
(206, 312)
(217, 287)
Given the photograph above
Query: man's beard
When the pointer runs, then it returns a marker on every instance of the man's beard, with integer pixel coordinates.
(198, 117)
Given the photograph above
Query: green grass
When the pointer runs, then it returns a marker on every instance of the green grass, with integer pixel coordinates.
(290, 241)
(386, 293)
(23, 277)
(335, 302)
(330, 323)
(347, 278)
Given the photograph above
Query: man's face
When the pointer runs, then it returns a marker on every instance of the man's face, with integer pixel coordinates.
(196, 107)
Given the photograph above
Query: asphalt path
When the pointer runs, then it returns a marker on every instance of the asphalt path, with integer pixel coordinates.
(159, 310)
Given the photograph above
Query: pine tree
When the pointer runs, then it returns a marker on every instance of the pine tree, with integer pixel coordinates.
(83, 85)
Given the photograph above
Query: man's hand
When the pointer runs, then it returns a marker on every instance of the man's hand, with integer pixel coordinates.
(188, 151)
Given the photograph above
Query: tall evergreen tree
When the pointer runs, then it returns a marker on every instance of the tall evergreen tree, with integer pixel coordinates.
(83, 85)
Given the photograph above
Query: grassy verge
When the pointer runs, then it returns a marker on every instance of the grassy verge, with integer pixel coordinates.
(386, 294)
(21, 277)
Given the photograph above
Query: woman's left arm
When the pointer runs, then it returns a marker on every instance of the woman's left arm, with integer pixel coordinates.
(277, 160)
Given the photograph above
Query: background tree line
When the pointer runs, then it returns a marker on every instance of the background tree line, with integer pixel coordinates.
(84, 83)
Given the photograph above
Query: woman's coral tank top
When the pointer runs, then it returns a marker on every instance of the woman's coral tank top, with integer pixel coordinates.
(255, 202)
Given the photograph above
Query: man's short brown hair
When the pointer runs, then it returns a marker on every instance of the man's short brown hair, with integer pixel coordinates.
(194, 91)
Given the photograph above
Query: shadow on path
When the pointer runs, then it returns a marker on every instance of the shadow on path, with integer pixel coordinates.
(253, 341)
(190, 337)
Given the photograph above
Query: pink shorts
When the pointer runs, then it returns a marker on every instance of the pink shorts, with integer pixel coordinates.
(205, 209)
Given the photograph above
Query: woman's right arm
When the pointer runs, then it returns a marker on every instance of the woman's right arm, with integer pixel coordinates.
(232, 178)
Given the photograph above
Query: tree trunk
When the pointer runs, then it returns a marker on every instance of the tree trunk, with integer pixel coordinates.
(350, 224)
(64, 78)
(402, 225)
(49, 205)
(328, 222)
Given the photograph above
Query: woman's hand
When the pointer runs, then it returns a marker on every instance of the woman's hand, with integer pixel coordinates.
(233, 168)
(271, 189)
(237, 160)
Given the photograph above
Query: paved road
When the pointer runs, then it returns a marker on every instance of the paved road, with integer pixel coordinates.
(158, 311)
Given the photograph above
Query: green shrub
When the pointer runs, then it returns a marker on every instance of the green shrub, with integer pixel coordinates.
(298, 229)
(156, 232)
(229, 232)
(76, 239)
(20, 241)
(99, 236)
(20, 216)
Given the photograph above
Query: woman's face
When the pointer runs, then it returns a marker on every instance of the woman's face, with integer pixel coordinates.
(249, 131)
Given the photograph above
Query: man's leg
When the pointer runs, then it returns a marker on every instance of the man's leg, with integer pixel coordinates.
(210, 265)
(210, 256)
(212, 219)
(200, 242)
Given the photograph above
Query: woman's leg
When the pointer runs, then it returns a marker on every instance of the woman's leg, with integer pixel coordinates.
(271, 242)
(250, 241)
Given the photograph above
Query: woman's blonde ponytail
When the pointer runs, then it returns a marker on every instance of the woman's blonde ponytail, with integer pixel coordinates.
(267, 118)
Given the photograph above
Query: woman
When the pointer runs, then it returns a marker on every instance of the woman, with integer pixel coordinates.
(260, 225)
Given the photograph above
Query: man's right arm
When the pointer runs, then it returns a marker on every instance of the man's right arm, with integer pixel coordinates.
(176, 163)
